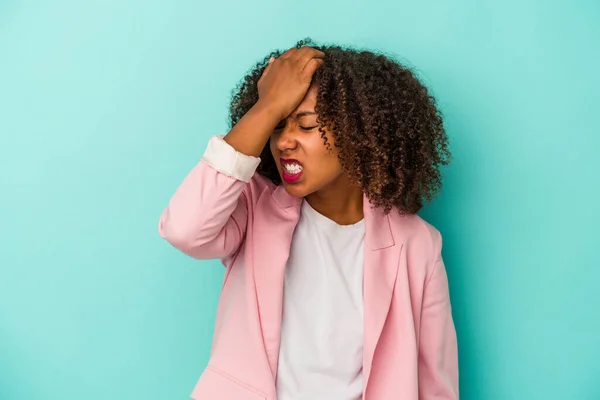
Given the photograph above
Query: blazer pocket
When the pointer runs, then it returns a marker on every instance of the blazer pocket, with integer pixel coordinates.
(215, 385)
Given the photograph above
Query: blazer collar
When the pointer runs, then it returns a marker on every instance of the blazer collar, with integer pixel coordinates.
(377, 224)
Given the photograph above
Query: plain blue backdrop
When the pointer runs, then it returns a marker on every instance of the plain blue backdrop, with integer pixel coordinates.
(105, 106)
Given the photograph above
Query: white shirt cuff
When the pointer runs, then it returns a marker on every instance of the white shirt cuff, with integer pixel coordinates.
(224, 158)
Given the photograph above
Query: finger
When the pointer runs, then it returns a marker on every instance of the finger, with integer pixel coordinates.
(266, 70)
(311, 66)
(288, 53)
(306, 52)
(308, 60)
(310, 55)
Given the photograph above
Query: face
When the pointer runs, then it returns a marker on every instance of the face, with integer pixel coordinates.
(303, 161)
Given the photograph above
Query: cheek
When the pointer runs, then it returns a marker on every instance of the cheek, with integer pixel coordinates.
(325, 156)
(274, 150)
(327, 163)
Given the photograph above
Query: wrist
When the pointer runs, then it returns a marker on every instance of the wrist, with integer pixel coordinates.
(268, 111)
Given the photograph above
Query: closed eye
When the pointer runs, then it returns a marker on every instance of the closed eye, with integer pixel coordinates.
(304, 128)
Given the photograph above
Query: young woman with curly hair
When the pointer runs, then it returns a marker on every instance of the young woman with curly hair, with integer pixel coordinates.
(335, 289)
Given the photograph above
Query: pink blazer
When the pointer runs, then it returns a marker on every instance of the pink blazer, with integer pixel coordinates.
(410, 344)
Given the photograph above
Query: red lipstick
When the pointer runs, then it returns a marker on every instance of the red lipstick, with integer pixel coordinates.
(291, 169)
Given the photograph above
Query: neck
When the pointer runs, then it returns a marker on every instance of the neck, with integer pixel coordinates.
(340, 201)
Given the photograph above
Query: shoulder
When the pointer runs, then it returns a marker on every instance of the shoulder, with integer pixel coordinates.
(420, 239)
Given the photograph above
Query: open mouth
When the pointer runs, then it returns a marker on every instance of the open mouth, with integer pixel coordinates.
(291, 170)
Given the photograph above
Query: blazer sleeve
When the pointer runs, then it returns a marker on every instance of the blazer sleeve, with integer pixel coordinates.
(207, 215)
(438, 350)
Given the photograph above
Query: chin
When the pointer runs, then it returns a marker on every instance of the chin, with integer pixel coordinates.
(295, 189)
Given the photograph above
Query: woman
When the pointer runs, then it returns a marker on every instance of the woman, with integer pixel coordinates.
(335, 289)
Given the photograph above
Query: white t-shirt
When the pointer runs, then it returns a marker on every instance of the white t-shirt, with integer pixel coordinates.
(320, 356)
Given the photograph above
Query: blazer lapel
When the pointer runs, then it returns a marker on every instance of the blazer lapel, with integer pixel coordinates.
(271, 245)
(381, 263)
(272, 237)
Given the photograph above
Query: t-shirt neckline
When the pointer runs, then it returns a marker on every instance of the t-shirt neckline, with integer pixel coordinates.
(308, 209)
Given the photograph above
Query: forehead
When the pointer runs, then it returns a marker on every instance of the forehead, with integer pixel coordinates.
(307, 105)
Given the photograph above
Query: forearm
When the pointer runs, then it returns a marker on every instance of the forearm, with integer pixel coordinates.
(250, 135)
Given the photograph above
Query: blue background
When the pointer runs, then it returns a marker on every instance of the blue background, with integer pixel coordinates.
(106, 105)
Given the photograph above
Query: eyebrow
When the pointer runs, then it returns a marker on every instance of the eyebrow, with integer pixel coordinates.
(298, 115)
(304, 113)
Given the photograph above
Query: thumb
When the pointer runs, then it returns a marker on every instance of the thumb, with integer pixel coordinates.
(268, 66)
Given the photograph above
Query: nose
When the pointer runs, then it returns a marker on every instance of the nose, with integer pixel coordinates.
(286, 140)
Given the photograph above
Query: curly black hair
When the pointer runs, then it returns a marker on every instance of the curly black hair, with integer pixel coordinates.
(385, 122)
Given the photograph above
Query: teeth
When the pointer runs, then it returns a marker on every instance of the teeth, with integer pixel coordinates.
(292, 168)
